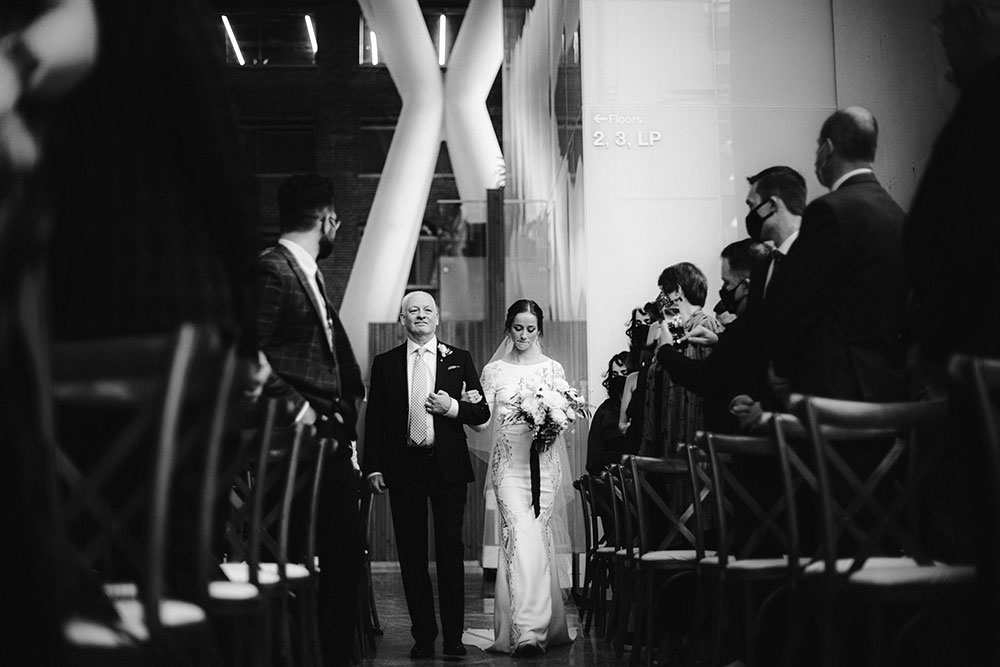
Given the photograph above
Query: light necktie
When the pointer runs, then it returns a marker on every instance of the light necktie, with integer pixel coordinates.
(420, 389)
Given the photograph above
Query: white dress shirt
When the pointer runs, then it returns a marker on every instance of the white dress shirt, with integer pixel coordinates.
(854, 172)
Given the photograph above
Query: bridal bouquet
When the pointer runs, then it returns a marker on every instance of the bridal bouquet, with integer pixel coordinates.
(549, 408)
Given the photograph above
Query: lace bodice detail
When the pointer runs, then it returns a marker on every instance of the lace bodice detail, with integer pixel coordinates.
(500, 380)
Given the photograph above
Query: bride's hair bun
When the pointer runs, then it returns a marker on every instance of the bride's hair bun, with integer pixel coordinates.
(524, 306)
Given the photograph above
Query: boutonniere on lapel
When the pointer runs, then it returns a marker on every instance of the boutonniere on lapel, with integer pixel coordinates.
(444, 350)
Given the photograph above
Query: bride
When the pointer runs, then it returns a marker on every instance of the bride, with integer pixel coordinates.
(529, 613)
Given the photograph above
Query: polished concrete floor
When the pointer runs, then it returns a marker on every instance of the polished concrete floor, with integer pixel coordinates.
(395, 643)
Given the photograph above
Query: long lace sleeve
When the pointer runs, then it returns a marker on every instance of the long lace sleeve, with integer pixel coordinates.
(489, 382)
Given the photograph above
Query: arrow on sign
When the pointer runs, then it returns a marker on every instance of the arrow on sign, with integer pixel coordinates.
(598, 118)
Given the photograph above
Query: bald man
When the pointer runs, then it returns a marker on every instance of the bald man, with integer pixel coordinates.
(841, 311)
(415, 448)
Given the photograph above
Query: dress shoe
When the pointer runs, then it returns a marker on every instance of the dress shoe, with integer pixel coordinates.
(422, 650)
(454, 649)
(528, 650)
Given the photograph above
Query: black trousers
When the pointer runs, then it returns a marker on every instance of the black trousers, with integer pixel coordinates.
(418, 482)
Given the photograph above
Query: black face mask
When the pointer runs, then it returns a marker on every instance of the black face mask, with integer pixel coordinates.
(616, 386)
(639, 334)
(755, 221)
(728, 298)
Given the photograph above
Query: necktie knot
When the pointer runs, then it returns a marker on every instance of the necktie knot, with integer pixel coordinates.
(778, 256)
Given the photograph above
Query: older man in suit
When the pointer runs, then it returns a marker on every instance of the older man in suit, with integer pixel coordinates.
(415, 447)
(841, 309)
(317, 378)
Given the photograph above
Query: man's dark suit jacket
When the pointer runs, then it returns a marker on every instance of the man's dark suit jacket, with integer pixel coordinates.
(713, 377)
(386, 419)
(291, 333)
(839, 314)
(952, 237)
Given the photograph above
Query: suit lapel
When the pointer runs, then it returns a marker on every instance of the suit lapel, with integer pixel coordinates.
(306, 284)
(402, 380)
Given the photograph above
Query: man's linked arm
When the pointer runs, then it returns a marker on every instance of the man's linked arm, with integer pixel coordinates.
(472, 413)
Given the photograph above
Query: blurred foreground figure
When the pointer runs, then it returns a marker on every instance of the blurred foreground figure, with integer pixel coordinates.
(153, 214)
(45, 50)
(952, 235)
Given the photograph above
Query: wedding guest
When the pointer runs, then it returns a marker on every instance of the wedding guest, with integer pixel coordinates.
(605, 441)
(643, 333)
(46, 48)
(840, 321)
(952, 233)
(674, 414)
(153, 216)
(317, 379)
(950, 245)
(416, 449)
(776, 200)
(713, 377)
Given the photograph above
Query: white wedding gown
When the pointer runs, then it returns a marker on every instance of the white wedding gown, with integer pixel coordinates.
(528, 605)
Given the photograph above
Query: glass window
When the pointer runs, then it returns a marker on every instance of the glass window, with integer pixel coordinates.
(269, 39)
(281, 148)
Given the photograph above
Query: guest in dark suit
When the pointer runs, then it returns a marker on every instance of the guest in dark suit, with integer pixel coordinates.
(952, 235)
(776, 199)
(316, 375)
(415, 447)
(840, 318)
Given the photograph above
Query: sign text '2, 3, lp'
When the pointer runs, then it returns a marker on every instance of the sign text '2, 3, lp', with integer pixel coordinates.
(630, 139)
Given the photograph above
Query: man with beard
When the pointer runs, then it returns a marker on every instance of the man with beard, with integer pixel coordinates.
(318, 381)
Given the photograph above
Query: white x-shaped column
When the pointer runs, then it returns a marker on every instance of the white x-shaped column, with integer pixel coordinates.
(435, 108)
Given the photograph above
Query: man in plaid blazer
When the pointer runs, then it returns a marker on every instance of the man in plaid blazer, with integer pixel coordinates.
(317, 378)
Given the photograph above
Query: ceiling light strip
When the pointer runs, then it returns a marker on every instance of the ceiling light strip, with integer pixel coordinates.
(232, 40)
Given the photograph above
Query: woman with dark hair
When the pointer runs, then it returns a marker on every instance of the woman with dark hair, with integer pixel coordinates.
(605, 442)
(673, 414)
(529, 610)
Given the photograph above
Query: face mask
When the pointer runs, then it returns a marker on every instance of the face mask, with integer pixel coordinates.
(755, 221)
(729, 300)
(639, 334)
(616, 386)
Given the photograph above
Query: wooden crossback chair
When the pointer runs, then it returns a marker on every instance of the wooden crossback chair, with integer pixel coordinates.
(663, 496)
(369, 626)
(259, 533)
(602, 514)
(871, 464)
(749, 557)
(626, 550)
(164, 398)
(581, 596)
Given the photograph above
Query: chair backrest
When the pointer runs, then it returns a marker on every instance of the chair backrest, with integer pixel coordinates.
(133, 413)
(588, 530)
(623, 503)
(300, 471)
(602, 521)
(750, 505)
(668, 517)
(870, 467)
(975, 400)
